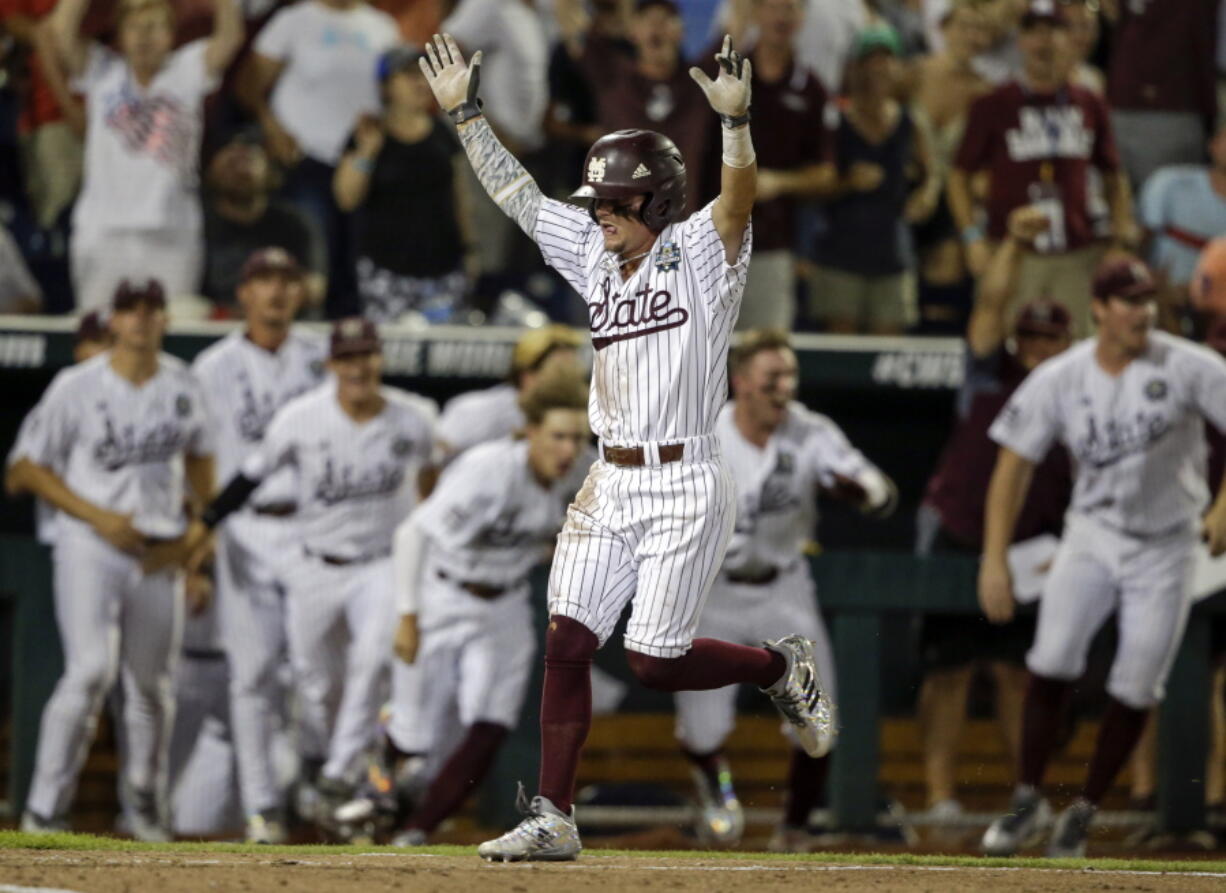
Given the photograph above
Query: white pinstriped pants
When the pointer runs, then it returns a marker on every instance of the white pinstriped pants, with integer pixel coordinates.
(1097, 571)
(653, 537)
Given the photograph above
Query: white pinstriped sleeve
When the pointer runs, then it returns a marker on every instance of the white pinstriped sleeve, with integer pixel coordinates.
(1210, 388)
(564, 233)
(718, 280)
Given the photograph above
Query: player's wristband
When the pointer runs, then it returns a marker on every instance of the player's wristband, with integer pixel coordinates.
(972, 233)
(732, 122)
(362, 165)
(229, 500)
(465, 111)
(738, 147)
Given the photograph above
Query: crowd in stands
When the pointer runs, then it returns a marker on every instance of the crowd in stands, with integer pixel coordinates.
(169, 138)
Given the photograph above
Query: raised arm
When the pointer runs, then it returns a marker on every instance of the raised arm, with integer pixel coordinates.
(729, 96)
(988, 326)
(454, 84)
(64, 25)
(227, 36)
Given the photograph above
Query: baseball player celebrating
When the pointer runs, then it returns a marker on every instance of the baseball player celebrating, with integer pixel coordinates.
(1128, 404)
(461, 562)
(247, 376)
(651, 523)
(781, 454)
(126, 430)
(357, 448)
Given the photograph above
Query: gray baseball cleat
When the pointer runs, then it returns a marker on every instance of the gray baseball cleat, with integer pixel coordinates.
(545, 835)
(32, 823)
(145, 818)
(720, 818)
(409, 837)
(1068, 837)
(802, 699)
(1023, 825)
(266, 827)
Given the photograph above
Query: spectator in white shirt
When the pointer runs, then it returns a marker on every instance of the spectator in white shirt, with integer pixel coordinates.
(309, 79)
(139, 213)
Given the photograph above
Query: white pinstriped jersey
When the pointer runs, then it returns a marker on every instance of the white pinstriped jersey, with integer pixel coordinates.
(661, 337)
(244, 386)
(122, 446)
(489, 520)
(1137, 439)
(477, 416)
(777, 485)
(355, 481)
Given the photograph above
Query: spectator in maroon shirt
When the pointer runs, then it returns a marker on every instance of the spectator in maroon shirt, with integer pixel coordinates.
(1162, 81)
(951, 519)
(1038, 138)
(655, 91)
(795, 159)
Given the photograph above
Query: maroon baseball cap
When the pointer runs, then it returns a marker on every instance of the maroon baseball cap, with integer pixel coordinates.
(1127, 278)
(131, 293)
(1044, 12)
(1043, 317)
(269, 261)
(354, 335)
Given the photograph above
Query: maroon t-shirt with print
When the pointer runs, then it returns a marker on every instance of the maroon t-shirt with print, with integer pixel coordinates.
(789, 132)
(1039, 147)
(675, 107)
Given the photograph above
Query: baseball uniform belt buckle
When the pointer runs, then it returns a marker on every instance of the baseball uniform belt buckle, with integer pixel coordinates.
(636, 456)
(753, 578)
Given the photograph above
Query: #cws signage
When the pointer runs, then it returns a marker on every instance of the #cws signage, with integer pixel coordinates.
(919, 369)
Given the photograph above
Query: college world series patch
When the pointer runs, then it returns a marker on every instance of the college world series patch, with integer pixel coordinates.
(668, 258)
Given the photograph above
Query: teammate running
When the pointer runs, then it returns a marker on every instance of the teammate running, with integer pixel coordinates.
(357, 448)
(781, 455)
(1129, 405)
(247, 376)
(115, 440)
(461, 562)
(650, 526)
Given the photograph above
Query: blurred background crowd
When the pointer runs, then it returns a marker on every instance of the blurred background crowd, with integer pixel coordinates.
(887, 136)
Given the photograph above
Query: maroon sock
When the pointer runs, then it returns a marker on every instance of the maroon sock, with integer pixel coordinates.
(1118, 732)
(566, 707)
(709, 764)
(1042, 715)
(806, 781)
(709, 664)
(462, 772)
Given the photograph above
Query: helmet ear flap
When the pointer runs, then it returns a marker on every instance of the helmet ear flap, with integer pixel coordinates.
(646, 211)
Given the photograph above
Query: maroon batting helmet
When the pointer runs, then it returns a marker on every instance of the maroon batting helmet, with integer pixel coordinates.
(627, 163)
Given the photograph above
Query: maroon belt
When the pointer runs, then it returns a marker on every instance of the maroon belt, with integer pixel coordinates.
(480, 590)
(636, 456)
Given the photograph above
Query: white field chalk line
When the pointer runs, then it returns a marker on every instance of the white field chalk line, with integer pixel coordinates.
(13, 888)
(589, 864)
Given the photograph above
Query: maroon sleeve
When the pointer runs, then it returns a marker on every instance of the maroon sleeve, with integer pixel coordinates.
(975, 151)
(1105, 155)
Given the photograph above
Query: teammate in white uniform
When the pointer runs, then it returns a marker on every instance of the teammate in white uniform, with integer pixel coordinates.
(128, 430)
(247, 376)
(1129, 404)
(781, 454)
(461, 562)
(357, 449)
(92, 338)
(490, 413)
(650, 526)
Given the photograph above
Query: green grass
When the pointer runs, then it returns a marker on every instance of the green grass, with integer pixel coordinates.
(16, 840)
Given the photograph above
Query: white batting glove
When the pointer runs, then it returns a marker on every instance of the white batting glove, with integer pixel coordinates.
(451, 80)
(729, 93)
